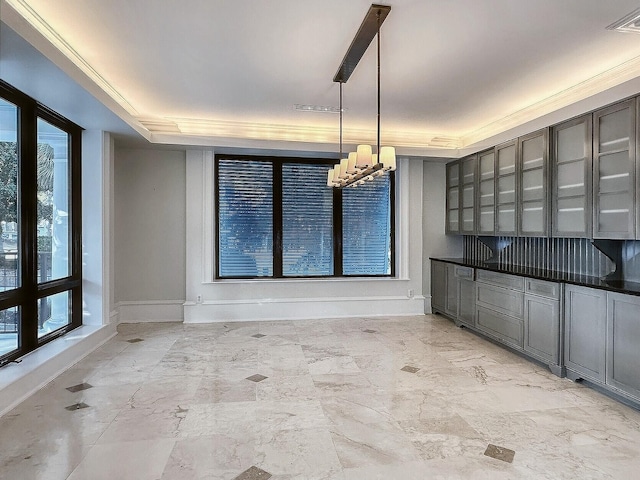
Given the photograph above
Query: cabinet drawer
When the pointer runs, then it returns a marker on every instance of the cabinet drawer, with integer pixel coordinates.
(464, 272)
(542, 288)
(504, 327)
(500, 279)
(500, 299)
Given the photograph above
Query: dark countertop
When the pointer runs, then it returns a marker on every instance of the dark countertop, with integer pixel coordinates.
(619, 286)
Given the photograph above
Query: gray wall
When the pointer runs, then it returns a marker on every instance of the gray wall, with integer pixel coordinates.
(149, 204)
(434, 241)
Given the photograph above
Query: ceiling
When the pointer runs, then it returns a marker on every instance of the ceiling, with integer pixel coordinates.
(455, 74)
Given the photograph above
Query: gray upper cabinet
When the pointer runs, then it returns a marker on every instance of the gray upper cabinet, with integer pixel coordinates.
(468, 171)
(572, 173)
(506, 189)
(532, 180)
(453, 198)
(614, 184)
(486, 197)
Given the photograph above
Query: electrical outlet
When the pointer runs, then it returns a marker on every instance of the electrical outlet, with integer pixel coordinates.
(410, 293)
(199, 299)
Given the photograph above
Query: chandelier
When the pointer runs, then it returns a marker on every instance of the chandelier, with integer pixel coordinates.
(362, 165)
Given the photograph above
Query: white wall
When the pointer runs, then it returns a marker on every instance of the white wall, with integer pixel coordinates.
(434, 241)
(149, 210)
(262, 299)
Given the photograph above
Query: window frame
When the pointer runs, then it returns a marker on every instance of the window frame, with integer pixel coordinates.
(26, 296)
(277, 163)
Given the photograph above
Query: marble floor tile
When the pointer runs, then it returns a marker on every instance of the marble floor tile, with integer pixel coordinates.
(303, 453)
(284, 388)
(335, 404)
(215, 390)
(210, 457)
(144, 460)
(359, 408)
(359, 444)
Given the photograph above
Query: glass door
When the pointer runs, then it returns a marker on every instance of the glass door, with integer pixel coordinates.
(453, 198)
(614, 171)
(486, 200)
(468, 168)
(532, 186)
(506, 198)
(572, 177)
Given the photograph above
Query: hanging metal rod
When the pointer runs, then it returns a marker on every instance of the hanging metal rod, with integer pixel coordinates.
(368, 29)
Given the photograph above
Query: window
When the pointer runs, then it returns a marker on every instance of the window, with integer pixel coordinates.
(40, 262)
(276, 218)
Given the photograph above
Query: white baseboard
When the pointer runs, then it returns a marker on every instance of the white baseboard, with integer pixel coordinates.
(301, 308)
(151, 311)
(20, 380)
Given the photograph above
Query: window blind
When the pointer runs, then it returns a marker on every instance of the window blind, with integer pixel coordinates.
(245, 218)
(366, 228)
(307, 220)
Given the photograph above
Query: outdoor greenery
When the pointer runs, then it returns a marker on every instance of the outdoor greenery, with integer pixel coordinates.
(9, 181)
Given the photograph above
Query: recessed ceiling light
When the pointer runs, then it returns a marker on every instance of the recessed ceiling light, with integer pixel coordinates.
(629, 24)
(316, 108)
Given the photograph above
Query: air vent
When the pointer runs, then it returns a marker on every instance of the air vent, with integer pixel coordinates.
(628, 24)
(317, 108)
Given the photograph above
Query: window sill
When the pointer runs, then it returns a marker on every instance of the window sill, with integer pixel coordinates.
(232, 281)
(20, 380)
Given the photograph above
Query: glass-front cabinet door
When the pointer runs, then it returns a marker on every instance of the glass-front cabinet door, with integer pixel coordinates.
(614, 171)
(486, 198)
(506, 198)
(532, 185)
(571, 173)
(468, 169)
(453, 198)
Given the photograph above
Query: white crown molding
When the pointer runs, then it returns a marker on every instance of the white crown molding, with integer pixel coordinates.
(198, 131)
(192, 127)
(38, 23)
(592, 86)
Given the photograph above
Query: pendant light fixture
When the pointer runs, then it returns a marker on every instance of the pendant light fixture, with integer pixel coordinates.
(362, 165)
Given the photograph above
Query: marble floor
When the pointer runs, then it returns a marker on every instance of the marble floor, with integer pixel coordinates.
(367, 398)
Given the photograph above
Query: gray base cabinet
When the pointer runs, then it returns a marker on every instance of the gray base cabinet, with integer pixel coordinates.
(585, 314)
(500, 307)
(502, 327)
(602, 339)
(438, 286)
(467, 301)
(451, 307)
(542, 321)
(623, 343)
(453, 292)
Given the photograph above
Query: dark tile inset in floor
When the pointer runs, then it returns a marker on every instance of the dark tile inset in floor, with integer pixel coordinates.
(79, 387)
(256, 378)
(135, 340)
(258, 335)
(76, 406)
(410, 369)
(253, 473)
(500, 453)
(368, 330)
